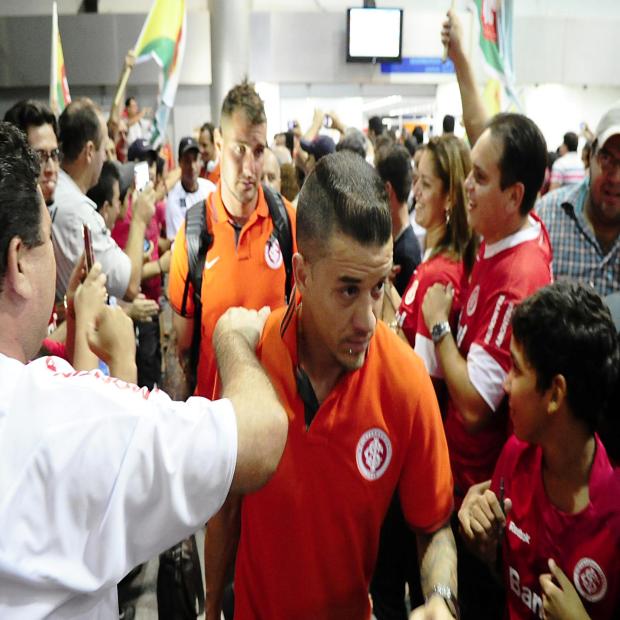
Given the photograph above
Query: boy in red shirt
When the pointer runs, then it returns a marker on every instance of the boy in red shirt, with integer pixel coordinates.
(553, 500)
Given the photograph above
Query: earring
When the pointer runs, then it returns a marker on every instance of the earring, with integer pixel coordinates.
(447, 217)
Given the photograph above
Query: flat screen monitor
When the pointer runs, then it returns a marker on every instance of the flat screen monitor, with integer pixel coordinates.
(374, 35)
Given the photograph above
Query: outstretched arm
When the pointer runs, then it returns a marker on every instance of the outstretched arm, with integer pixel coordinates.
(475, 115)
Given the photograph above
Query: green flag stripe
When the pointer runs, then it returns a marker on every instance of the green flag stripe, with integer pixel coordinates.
(163, 48)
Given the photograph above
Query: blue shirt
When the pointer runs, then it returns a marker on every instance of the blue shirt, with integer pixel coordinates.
(577, 254)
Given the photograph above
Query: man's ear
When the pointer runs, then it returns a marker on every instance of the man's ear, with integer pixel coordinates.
(89, 150)
(557, 394)
(218, 140)
(16, 277)
(515, 193)
(301, 270)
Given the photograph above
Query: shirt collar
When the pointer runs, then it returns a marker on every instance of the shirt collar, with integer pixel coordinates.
(521, 236)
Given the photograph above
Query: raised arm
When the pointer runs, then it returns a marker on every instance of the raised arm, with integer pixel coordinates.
(143, 211)
(475, 115)
(130, 61)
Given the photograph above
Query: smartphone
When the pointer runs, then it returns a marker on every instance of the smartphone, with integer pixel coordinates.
(291, 125)
(327, 121)
(88, 249)
(141, 175)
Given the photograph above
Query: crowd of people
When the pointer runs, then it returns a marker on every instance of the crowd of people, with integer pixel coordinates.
(397, 381)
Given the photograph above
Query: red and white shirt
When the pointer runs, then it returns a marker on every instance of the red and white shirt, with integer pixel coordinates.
(505, 273)
(584, 545)
(445, 270)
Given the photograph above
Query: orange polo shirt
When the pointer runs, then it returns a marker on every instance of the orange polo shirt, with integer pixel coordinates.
(309, 537)
(248, 272)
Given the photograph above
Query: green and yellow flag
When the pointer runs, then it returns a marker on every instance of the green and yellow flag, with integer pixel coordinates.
(163, 40)
(495, 21)
(59, 87)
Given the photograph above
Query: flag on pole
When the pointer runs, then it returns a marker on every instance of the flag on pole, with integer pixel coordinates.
(59, 87)
(495, 21)
(163, 39)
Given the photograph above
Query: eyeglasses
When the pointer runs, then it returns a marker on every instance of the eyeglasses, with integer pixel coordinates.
(607, 161)
(45, 156)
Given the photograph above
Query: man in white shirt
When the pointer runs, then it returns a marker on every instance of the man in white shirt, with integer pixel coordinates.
(83, 135)
(189, 189)
(568, 169)
(97, 474)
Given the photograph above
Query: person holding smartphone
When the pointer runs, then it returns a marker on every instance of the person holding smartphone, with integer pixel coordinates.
(83, 134)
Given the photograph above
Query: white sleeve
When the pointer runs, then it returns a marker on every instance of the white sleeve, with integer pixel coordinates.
(486, 375)
(101, 475)
(425, 348)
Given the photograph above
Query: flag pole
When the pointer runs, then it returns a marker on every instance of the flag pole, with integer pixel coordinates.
(54, 60)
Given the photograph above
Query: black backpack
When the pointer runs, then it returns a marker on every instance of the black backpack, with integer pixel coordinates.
(198, 240)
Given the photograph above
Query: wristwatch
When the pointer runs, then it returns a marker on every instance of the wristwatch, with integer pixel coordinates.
(439, 330)
(444, 591)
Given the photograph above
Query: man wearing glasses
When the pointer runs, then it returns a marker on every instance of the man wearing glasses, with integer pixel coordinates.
(584, 220)
(39, 124)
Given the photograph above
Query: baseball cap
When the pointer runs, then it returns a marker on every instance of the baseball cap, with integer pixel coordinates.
(609, 125)
(320, 146)
(187, 144)
(139, 150)
(125, 172)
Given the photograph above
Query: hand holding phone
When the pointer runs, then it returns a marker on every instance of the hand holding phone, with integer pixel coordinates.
(88, 249)
(141, 175)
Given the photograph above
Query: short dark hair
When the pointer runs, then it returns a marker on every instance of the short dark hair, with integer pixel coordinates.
(104, 190)
(418, 134)
(375, 124)
(20, 209)
(448, 123)
(411, 144)
(393, 164)
(79, 123)
(524, 155)
(566, 329)
(29, 113)
(571, 141)
(343, 193)
(208, 127)
(244, 97)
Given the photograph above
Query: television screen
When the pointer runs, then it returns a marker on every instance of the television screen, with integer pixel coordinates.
(374, 35)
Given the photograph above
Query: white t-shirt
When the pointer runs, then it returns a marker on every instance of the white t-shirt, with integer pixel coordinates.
(568, 169)
(98, 476)
(179, 201)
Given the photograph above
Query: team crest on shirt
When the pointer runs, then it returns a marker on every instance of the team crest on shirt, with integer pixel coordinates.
(273, 253)
(590, 580)
(410, 294)
(373, 454)
(472, 302)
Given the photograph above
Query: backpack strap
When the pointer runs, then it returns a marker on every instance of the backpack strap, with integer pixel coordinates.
(198, 240)
(282, 230)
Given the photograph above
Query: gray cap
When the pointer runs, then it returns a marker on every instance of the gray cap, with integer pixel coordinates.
(609, 125)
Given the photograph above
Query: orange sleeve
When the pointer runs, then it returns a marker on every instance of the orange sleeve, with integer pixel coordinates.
(178, 276)
(426, 487)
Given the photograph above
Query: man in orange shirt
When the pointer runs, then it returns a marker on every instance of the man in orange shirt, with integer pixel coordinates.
(363, 422)
(210, 169)
(244, 265)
